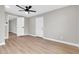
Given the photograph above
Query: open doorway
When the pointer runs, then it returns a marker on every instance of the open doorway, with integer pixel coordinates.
(14, 26)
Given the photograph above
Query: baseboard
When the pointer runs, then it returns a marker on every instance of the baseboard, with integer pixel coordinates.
(3, 43)
(68, 43)
(35, 35)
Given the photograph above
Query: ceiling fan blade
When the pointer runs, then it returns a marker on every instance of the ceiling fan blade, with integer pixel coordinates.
(30, 7)
(32, 11)
(20, 7)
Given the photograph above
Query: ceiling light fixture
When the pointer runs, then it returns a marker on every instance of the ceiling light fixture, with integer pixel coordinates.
(26, 13)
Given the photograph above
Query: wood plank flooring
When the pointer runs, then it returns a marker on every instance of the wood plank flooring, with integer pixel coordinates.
(35, 45)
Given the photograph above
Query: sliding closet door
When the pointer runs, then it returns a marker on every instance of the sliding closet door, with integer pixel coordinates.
(39, 26)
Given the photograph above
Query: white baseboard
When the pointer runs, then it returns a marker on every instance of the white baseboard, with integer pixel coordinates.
(68, 43)
(3, 43)
(23, 35)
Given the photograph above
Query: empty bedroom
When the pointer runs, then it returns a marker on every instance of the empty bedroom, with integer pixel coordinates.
(39, 29)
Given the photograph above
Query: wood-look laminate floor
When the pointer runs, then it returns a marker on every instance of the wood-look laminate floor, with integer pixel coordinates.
(35, 45)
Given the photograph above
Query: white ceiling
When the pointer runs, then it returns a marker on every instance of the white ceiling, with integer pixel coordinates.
(39, 8)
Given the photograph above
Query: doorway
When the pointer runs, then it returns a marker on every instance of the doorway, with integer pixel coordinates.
(14, 25)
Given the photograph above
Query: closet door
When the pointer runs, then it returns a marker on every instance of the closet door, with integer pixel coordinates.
(20, 26)
(39, 26)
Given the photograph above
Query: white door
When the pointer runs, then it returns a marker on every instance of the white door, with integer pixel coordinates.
(39, 26)
(20, 26)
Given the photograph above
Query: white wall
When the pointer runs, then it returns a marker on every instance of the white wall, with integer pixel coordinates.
(2, 24)
(13, 26)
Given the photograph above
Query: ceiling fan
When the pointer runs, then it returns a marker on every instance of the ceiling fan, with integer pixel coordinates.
(26, 9)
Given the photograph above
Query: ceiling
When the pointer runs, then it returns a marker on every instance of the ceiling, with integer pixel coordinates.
(13, 9)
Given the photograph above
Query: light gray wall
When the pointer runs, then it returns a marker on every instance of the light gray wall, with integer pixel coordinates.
(32, 25)
(13, 26)
(78, 21)
(26, 26)
(62, 24)
(2, 24)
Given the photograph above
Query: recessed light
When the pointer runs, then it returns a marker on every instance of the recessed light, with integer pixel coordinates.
(7, 6)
